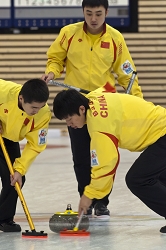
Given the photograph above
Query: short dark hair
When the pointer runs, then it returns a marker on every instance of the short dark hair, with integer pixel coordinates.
(95, 3)
(67, 102)
(35, 90)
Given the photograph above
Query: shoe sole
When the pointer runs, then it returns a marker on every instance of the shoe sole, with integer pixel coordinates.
(9, 231)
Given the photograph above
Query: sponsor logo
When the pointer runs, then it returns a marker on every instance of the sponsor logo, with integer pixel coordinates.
(94, 159)
(42, 136)
(127, 67)
(6, 111)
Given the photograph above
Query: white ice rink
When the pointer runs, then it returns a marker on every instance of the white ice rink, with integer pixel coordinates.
(51, 185)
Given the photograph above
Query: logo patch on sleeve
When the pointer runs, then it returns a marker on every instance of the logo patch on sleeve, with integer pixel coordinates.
(94, 159)
(127, 67)
(42, 136)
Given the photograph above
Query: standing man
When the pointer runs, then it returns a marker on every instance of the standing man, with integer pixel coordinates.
(92, 52)
(23, 114)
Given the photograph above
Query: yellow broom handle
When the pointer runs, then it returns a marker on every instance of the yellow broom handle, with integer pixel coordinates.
(17, 187)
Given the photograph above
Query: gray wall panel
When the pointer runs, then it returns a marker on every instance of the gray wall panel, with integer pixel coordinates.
(56, 12)
(4, 13)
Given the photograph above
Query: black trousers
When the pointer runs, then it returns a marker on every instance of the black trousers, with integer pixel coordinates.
(8, 196)
(147, 177)
(80, 145)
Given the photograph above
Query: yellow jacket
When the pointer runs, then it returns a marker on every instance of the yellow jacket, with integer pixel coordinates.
(118, 120)
(89, 65)
(17, 125)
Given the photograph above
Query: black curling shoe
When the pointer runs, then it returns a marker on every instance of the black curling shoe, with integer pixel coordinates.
(101, 209)
(10, 226)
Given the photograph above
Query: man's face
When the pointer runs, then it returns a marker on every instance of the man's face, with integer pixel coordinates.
(76, 121)
(95, 17)
(30, 108)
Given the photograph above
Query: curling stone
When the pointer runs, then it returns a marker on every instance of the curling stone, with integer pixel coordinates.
(67, 221)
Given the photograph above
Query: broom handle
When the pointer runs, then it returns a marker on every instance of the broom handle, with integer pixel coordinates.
(131, 82)
(84, 91)
(60, 84)
(78, 222)
(17, 187)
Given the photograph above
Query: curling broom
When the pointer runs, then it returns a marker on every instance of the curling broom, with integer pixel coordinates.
(27, 233)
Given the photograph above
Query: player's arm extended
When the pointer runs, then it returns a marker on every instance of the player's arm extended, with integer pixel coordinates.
(104, 162)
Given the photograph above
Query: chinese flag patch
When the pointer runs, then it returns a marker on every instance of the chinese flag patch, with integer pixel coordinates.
(105, 45)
